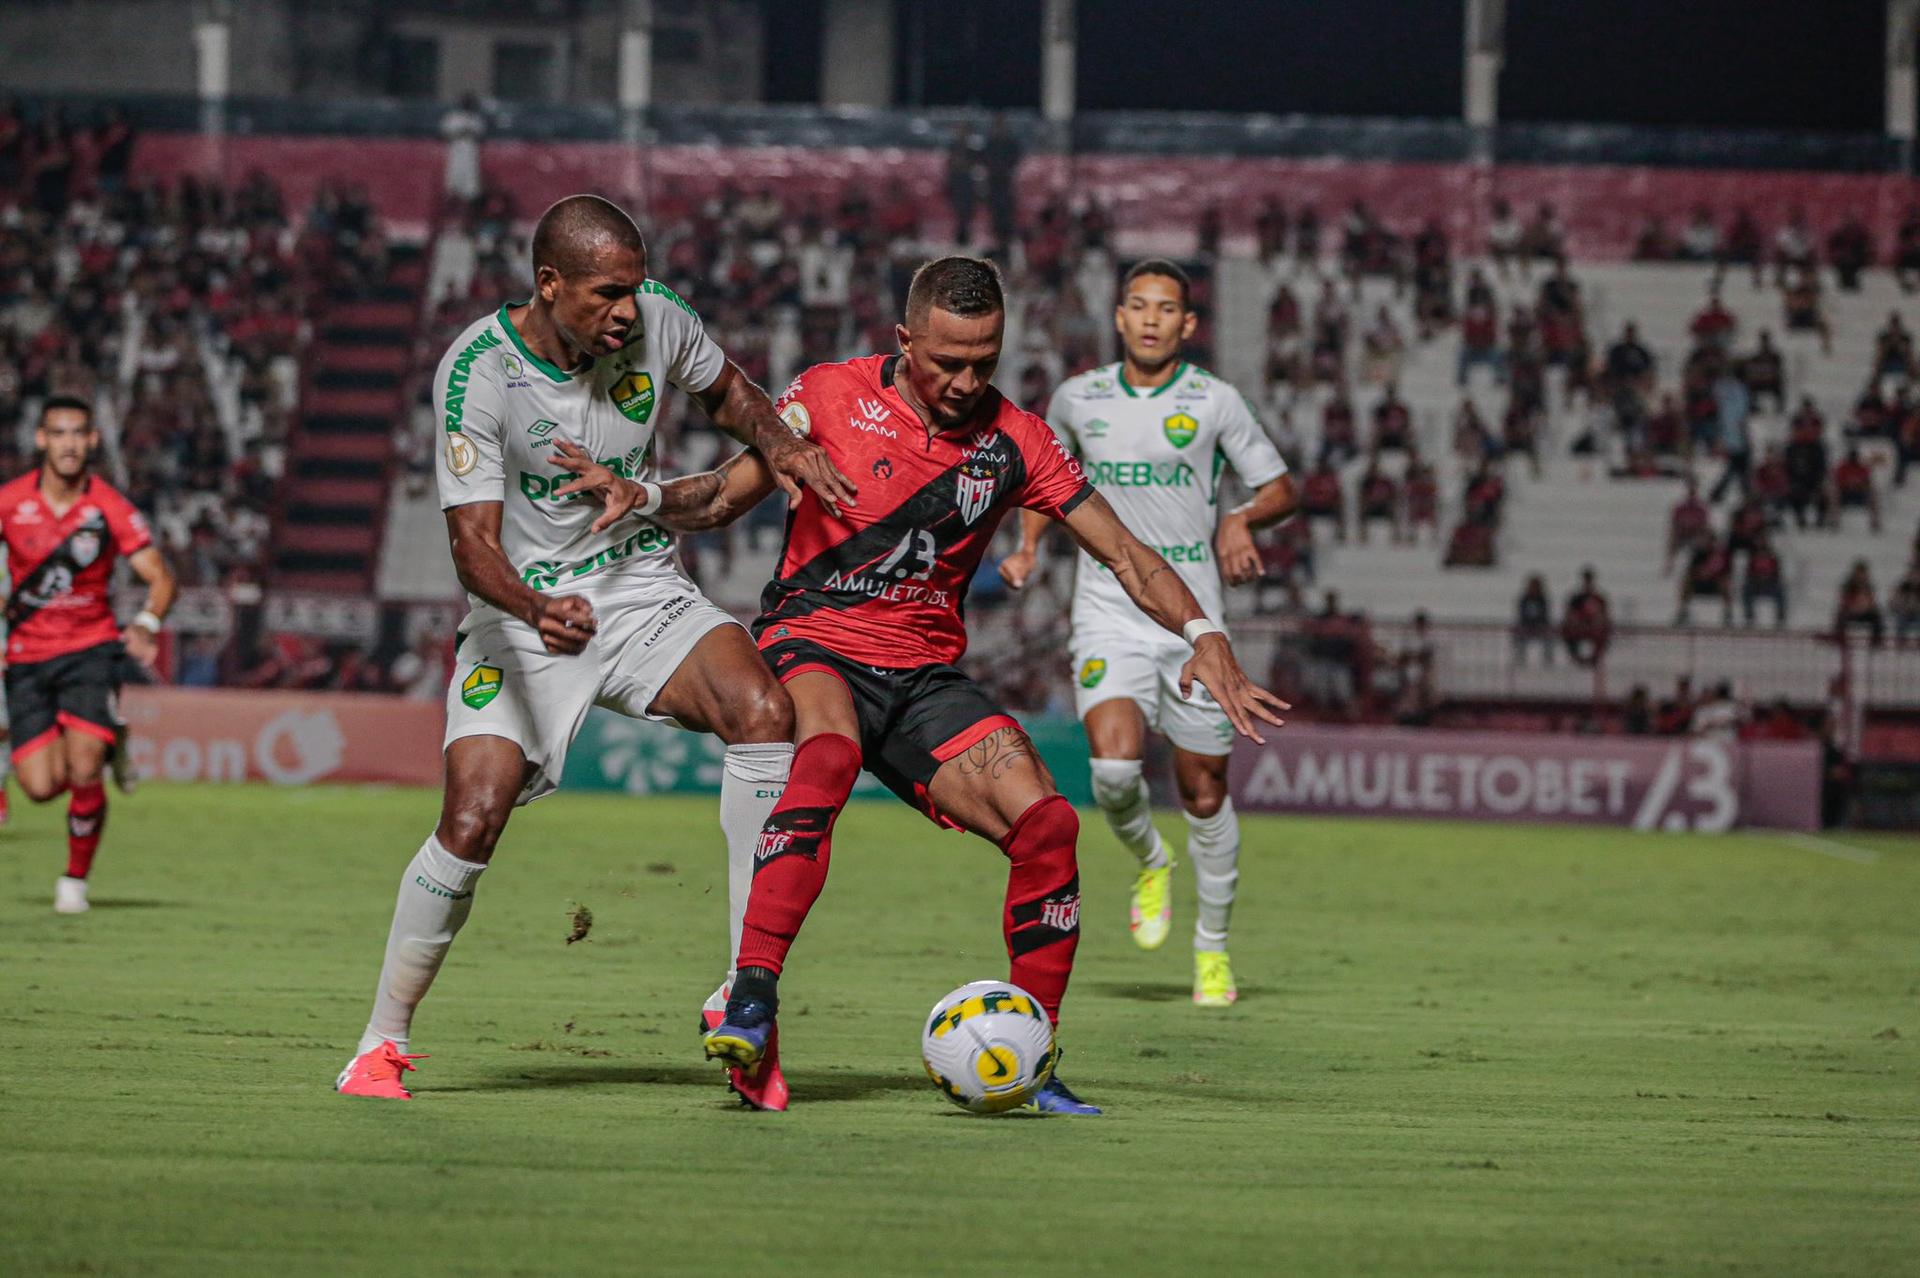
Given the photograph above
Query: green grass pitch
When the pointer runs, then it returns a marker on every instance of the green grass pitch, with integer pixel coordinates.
(1459, 1049)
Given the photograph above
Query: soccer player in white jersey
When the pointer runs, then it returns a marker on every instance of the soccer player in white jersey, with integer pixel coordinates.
(570, 606)
(1154, 434)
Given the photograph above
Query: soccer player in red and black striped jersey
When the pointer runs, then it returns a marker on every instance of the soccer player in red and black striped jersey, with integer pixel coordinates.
(63, 527)
(863, 624)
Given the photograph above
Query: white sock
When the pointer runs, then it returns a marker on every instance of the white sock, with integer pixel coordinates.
(436, 894)
(754, 780)
(1213, 844)
(1121, 793)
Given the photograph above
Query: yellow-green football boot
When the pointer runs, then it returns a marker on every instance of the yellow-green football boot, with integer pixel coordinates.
(1151, 917)
(1213, 979)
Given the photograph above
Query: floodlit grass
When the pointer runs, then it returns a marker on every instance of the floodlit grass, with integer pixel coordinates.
(1459, 1049)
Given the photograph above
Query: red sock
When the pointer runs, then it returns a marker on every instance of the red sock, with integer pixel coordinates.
(790, 862)
(1042, 919)
(86, 817)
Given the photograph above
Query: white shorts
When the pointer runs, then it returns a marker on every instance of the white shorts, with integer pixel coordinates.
(1143, 665)
(506, 684)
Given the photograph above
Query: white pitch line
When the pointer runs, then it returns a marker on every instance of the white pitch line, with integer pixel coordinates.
(1827, 847)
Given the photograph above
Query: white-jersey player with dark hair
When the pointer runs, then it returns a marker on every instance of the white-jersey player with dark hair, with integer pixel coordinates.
(573, 606)
(1155, 434)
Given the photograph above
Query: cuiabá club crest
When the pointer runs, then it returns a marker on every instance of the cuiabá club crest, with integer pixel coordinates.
(1181, 428)
(633, 396)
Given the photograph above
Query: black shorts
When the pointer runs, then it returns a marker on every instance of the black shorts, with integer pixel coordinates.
(912, 720)
(77, 691)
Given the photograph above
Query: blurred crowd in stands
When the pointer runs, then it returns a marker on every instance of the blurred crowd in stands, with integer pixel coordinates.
(185, 311)
(181, 311)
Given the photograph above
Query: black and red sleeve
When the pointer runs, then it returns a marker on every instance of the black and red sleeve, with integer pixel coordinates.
(1055, 484)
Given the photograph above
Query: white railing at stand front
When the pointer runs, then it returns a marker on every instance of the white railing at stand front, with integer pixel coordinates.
(1476, 660)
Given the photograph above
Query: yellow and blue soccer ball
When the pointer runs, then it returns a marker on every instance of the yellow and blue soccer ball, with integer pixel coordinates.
(988, 1046)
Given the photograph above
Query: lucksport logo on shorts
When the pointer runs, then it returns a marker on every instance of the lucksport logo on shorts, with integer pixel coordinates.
(481, 686)
(1093, 672)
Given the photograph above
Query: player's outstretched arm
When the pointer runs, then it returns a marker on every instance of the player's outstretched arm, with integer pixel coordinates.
(1156, 588)
(691, 503)
(743, 410)
(1233, 544)
(565, 622)
(714, 498)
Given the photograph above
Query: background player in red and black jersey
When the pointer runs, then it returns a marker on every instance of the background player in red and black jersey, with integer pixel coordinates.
(63, 527)
(863, 624)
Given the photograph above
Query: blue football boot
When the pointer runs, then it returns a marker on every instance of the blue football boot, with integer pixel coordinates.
(741, 1038)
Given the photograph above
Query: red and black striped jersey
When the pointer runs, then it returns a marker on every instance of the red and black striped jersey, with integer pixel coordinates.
(61, 566)
(884, 583)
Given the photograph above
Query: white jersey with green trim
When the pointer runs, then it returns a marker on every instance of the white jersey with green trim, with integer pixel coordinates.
(1157, 456)
(502, 408)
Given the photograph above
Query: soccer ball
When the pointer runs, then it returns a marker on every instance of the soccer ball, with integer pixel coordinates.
(988, 1046)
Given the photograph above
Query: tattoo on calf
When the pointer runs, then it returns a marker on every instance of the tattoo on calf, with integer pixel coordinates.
(997, 754)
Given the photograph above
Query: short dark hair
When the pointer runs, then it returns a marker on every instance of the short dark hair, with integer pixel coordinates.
(572, 229)
(964, 286)
(54, 403)
(1163, 267)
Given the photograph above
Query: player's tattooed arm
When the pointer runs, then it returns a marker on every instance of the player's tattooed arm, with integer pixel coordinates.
(691, 503)
(1148, 579)
(714, 498)
(565, 622)
(1159, 592)
(743, 411)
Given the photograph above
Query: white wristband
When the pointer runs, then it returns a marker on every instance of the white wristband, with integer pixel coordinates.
(651, 501)
(147, 621)
(1197, 627)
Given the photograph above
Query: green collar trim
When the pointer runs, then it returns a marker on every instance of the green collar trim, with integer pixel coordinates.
(553, 374)
(1120, 375)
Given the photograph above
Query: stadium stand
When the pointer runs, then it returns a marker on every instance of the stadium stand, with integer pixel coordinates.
(1323, 289)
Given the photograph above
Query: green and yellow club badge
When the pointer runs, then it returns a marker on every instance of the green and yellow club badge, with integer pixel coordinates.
(1180, 428)
(633, 396)
(481, 685)
(1093, 672)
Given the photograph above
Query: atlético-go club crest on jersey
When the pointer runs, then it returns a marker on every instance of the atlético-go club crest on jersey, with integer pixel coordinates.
(974, 486)
(633, 396)
(84, 546)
